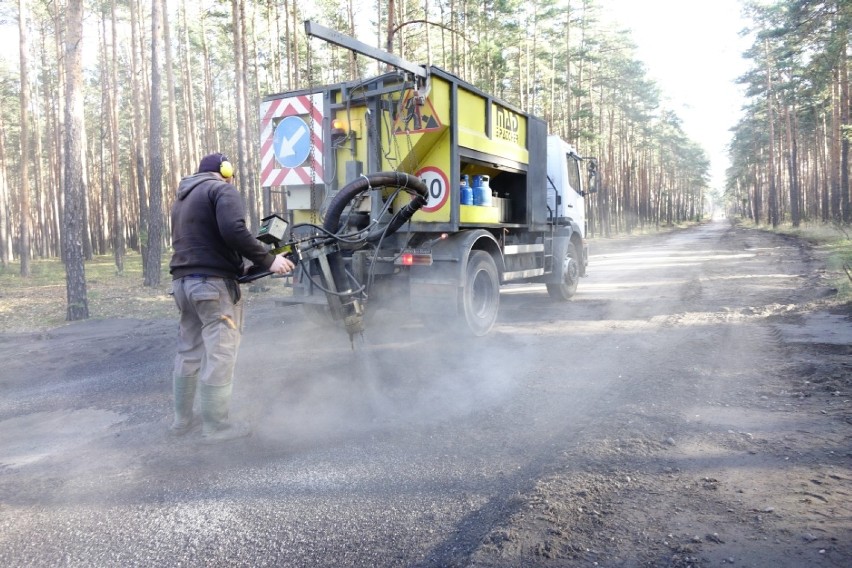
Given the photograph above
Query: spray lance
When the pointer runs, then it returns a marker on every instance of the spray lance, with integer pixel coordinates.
(322, 263)
(322, 252)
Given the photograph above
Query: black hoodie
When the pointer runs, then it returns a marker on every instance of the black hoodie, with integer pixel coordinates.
(209, 233)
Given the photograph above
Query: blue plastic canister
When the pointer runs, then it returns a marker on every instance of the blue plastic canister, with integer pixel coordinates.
(466, 190)
(482, 190)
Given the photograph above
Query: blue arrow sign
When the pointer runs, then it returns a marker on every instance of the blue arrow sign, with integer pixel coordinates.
(291, 142)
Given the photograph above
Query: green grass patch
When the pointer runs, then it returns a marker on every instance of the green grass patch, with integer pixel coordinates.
(39, 301)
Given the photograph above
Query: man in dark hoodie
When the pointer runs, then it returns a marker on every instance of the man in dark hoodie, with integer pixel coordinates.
(210, 241)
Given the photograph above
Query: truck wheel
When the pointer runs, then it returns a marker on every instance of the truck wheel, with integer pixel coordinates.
(480, 297)
(570, 276)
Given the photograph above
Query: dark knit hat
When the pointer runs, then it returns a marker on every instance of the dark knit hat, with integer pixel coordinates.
(211, 162)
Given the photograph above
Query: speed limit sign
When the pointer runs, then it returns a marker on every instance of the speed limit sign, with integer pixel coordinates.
(437, 185)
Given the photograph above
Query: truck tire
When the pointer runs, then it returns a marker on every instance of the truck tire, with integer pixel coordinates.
(565, 289)
(480, 296)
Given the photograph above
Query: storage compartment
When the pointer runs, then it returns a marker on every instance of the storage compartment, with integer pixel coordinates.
(508, 194)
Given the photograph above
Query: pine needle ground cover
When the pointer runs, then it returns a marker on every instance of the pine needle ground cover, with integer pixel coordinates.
(38, 302)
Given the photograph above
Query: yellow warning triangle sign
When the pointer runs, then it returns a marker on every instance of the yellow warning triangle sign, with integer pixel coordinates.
(413, 117)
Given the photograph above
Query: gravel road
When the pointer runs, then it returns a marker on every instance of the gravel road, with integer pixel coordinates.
(690, 407)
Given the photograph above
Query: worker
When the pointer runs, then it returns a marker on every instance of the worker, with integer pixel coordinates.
(211, 241)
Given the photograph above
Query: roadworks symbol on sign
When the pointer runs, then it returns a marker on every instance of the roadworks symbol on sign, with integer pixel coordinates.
(414, 118)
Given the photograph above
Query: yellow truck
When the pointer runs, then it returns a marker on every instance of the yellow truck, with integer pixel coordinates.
(415, 190)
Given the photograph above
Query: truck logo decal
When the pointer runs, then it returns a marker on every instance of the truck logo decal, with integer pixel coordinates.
(506, 124)
(286, 143)
(414, 118)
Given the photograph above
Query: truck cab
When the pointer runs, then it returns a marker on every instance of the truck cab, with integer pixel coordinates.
(565, 189)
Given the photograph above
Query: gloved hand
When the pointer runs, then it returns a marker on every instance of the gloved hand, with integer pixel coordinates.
(281, 265)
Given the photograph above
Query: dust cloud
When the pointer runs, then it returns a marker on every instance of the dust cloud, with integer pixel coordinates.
(399, 375)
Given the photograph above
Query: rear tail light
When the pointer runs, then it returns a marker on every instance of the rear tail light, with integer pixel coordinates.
(414, 259)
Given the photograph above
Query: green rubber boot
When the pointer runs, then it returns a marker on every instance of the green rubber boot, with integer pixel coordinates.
(183, 390)
(214, 414)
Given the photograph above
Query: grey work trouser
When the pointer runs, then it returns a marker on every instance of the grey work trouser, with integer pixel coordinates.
(210, 329)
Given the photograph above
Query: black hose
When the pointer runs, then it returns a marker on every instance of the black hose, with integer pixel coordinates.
(339, 274)
(378, 180)
(347, 193)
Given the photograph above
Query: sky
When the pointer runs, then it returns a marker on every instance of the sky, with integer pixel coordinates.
(693, 51)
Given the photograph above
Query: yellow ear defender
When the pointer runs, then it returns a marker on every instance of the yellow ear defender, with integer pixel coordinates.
(226, 169)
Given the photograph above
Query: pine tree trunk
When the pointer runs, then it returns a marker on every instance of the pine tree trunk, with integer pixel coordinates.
(104, 222)
(825, 168)
(26, 154)
(155, 151)
(58, 163)
(139, 165)
(241, 88)
(773, 190)
(846, 201)
(5, 238)
(42, 232)
(119, 244)
(172, 147)
(273, 23)
(210, 138)
(792, 169)
(252, 125)
(84, 188)
(834, 160)
(290, 54)
(189, 96)
(350, 13)
(73, 227)
(757, 198)
(391, 23)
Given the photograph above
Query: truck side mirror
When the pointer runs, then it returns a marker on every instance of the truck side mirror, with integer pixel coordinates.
(593, 177)
(593, 184)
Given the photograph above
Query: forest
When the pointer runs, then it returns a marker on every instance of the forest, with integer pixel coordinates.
(790, 149)
(108, 103)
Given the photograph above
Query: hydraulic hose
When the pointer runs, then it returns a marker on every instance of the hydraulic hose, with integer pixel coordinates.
(349, 306)
(378, 180)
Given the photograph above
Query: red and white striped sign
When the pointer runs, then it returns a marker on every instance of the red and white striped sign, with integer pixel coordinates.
(305, 106)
